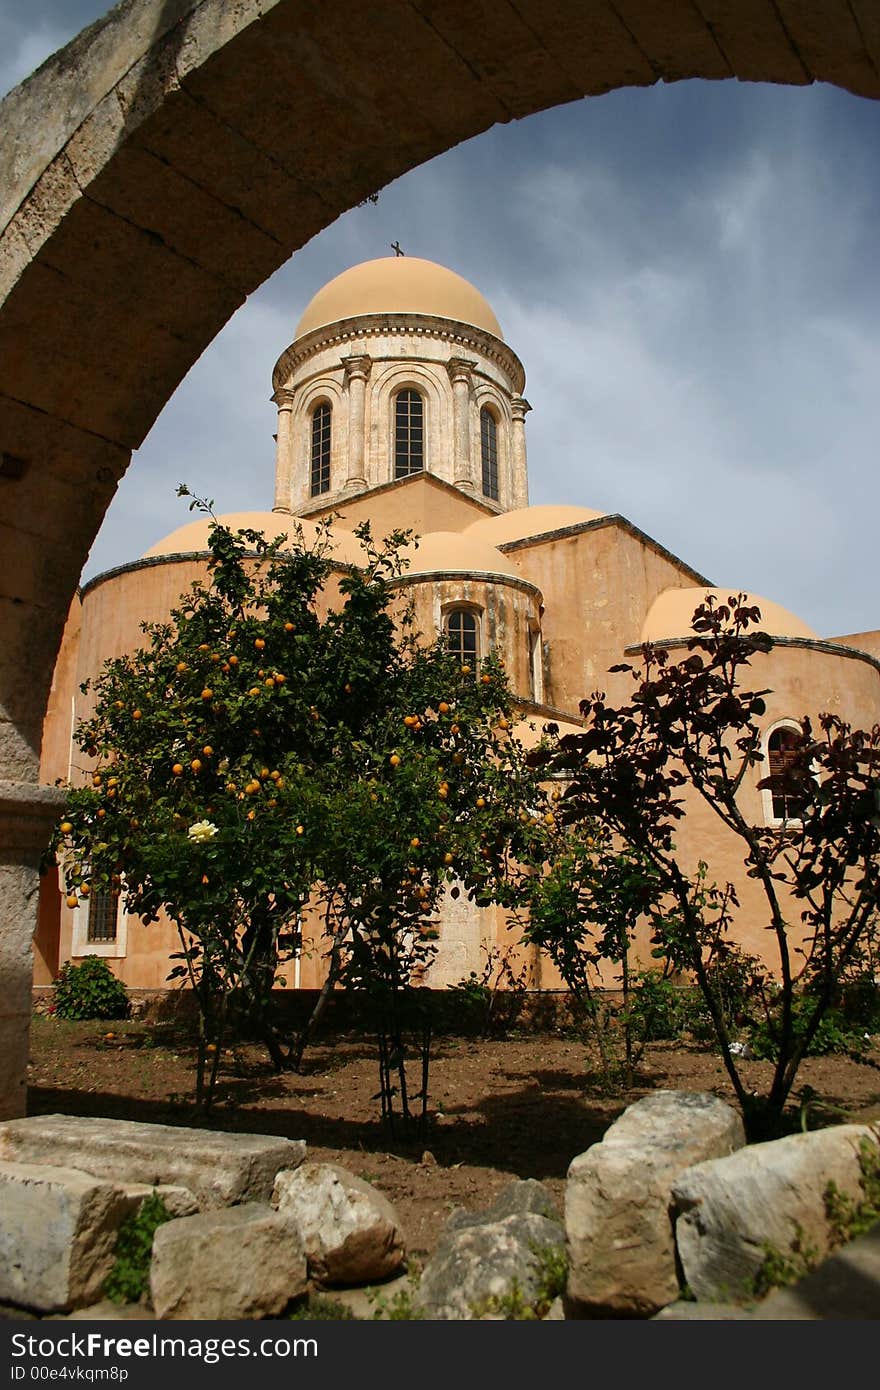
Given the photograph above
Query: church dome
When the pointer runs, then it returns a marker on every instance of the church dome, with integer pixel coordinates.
(193, 537)
(398, 285)
(451, 552)
(669, 617)
(525, 522)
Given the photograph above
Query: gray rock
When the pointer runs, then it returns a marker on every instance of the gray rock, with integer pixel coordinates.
(518, 1197)
(617, 1201)
(219, 1169)
(474, 1269)
(58, 1230)
(684, 1311)
(767, 1199)
(351, 1233)
(241, 1262)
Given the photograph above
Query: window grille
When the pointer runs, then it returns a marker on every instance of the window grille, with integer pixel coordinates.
(462, 636)
(103, 916)
(409, 434)
(489, 452)
(321, 416)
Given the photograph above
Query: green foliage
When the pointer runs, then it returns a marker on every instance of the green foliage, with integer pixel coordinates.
(319, 1307)
(285, 745)
(490, 1002)
(658, 1007)
(129, 1279)
(778, 1269)
(850, 1218)
(840, 1029)
(691, 734)
(90, 990)
(551, 1274)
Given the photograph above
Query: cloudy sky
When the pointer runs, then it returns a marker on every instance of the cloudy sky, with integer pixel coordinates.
(690, 276)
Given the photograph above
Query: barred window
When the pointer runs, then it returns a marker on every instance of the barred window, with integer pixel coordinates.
(321, 416)
(489, 452)
(462, 636)
(409, 433)
(103, 916)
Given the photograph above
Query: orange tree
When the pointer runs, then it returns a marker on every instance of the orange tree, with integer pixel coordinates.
(695, 725)
(264, 751)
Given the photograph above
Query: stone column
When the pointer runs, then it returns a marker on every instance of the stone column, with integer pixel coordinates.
(357, 371)
(284, 398)
(27, 814)
(519, 481)
(459, 369)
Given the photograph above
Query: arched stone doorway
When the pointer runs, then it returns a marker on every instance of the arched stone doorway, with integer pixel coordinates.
(164, 164)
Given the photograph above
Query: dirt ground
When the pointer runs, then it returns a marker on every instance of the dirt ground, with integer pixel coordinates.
(521, 1106)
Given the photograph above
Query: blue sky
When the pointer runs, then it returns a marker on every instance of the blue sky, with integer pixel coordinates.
(690, 276)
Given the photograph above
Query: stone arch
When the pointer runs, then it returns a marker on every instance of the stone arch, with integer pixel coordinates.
(149, 186)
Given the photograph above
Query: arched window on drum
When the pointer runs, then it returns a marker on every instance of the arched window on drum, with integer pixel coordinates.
(409, 433)
(489, 453)
(322, 417)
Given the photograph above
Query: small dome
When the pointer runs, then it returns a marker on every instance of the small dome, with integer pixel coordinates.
(453, 552)
(398, 285)
(529, 521)
(193, 537)
(669, 616)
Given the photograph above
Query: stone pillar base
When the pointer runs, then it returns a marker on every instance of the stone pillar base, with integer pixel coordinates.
(27, 815)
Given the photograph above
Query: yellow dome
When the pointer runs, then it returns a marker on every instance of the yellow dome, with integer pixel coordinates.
(524, 522)
(451, 552)
(398, 285)
(193, 537)
(669, 616)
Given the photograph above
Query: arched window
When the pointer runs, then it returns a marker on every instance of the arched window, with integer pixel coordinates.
(321, 449)
(409, 433)
(489, 453)
(463, 636)
(786, 774)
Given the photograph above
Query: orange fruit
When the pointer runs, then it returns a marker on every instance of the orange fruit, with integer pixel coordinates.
(203, 647)
(207, 750)
(481, 801)
(485, 680)
(196, 765)
(410, 720)
(102, 813)
(448, 858)
(270, 680)
(84, 890)
(205, 878)
(72, 900)
(394, 760)
(443, 707)
(465, 670)
(288, 627)
(299, 830)
(65, 827)
(177, 769)
(254, 690)
(251, 815)
(233, 660)
(181, 666)
(415, 842)
(207, 693)
(259, 643)
(135, 714)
